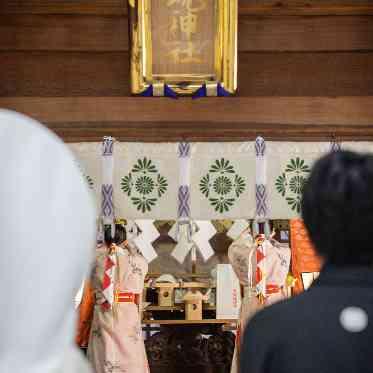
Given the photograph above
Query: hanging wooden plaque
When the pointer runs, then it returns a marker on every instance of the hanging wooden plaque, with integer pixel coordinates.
(183, 43)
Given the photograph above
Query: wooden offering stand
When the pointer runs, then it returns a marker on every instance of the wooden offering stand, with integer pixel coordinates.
(183, 333)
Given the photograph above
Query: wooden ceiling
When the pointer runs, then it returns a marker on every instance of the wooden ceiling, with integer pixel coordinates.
(305, 72)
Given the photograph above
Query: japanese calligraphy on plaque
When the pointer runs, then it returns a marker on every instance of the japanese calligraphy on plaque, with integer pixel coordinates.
(183, 43)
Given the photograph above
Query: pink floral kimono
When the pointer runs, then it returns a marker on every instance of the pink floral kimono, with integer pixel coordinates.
(243, 257)
(116, 343)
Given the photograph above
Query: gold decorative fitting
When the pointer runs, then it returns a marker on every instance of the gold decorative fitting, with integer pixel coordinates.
(119, 222)
(183, 43)
(158, 89)
(211, 89)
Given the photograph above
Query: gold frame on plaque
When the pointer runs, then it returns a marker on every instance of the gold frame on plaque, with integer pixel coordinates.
(225, 64)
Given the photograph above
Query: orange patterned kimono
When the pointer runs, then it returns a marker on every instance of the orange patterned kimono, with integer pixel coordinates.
(304, 257)
(85, 316)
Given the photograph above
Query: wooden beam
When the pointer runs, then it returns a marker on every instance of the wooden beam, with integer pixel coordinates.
(280, 133)
(223, 119)
(270, 110)
(246, 7)
(110, 33)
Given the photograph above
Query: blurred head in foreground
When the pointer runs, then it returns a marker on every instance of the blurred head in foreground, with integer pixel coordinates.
(47, 229)
(337, 208)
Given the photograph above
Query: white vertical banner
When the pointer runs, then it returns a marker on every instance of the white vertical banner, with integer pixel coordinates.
(107, 180)
(183, 229)
(261, 196)
(228, 293)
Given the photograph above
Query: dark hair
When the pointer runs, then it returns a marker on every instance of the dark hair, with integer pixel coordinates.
(119, 237)
(337, 208)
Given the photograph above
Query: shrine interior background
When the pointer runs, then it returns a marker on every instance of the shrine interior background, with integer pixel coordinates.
(305, 73)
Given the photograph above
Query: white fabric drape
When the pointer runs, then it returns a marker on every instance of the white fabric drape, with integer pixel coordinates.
(227, 180)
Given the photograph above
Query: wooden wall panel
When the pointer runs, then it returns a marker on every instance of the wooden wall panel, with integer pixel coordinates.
(248, 7)
(320, 33)
(63, 33)
(64, 74)
(110, 33)
(260, 74)
(113, 7)
(305, 74)
(305, 7)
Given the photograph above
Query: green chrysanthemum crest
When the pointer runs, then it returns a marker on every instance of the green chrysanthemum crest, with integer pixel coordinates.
(290, 184)
(144, 165)
(91, 183)
(222, 166)
(294, 203)
(222, 186)
(144, 184)
(161, 185)
(205, 186)
(281, 184)
(127, 184)
(239, 185)
(297, 165)
(222, 204)
(144, 204)
(297, 183)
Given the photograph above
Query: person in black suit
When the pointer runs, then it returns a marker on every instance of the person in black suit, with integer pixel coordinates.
(328, 328)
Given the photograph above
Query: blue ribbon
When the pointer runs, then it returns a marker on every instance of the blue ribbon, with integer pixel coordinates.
(168, 92)
(148, 92)
(202, 92)
(222, 92)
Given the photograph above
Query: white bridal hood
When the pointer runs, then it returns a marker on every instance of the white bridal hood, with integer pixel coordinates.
(47, 230)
